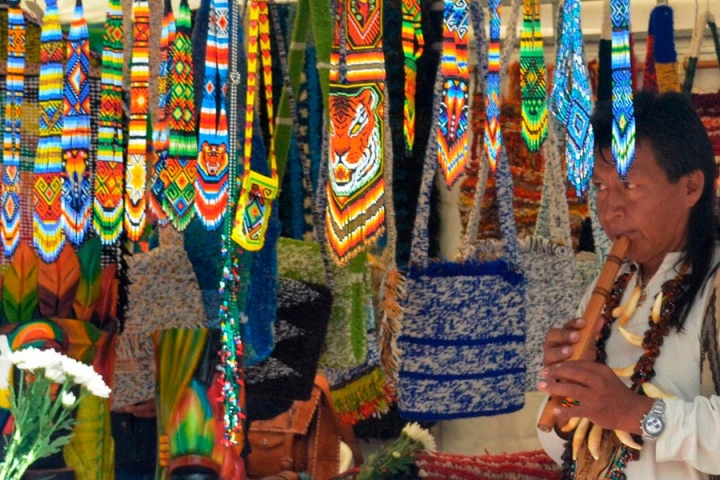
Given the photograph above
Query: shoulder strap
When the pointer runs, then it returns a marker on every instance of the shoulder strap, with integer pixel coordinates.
(346, 432)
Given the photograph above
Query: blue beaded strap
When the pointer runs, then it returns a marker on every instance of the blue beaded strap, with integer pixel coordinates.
(623, 129)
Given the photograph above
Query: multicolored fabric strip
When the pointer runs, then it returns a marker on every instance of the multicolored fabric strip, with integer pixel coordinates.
(413, 43)
(14, 100)
(623, 138)
(181, 167)
(211, 182)
(355, 212)
(493, 133)
(161, 127)
(108, 203)
(76, 196)
(454, 108)
(532, 78)
(48, 235)
(257, 191)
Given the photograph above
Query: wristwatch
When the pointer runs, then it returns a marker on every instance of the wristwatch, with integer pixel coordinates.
(653, 423)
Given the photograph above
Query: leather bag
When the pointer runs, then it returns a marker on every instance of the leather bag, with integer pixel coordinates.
(306, 438)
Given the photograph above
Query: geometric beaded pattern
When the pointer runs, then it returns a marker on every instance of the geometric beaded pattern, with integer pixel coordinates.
(48, 235)
(14, 96)
(135, 171)
(532, 78)
(493, 134)
(108, 196)
(76, 134)
(412, 43)
(453, 118)
(181, 164)
(211, 183)
(623, 138)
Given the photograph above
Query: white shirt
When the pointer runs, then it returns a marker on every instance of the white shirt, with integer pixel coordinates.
(690, 443)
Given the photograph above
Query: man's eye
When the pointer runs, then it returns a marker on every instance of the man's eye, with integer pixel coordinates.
(599, 186)
(630, 185)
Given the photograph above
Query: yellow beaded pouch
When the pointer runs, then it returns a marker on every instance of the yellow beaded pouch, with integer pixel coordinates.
(254, 207)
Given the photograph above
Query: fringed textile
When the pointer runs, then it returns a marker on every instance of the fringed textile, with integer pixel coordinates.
(48, 235)
(355, 212)
(211, 189)
(181, 168)
(623, 138)
(76, 195)
(412, 45)
(493, 134)
(108, 203)
(532, 78)
(14, 100)
(161, 129)
(662, 24)
(257, 191)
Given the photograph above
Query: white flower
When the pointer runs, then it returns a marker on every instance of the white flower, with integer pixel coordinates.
(81, 374)
(420, 435)
(68, 399)
(98, 388)
(33, 359)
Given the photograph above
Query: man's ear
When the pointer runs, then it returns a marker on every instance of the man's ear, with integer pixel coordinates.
(694, 184)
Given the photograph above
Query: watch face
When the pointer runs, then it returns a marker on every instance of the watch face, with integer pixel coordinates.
(654, 425)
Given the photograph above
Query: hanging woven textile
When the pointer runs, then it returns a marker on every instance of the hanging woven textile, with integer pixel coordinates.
(665, 54)
(48, 235)
(211, 190)
(413, 43)
(532, 78)
(181, 167)
(135, 170)
(454, 108)
(493, 134)
(108, 203)
(355, 213)
(14, 94)
(623, 138)
(571, 97)
(257, 191)
(161, 127)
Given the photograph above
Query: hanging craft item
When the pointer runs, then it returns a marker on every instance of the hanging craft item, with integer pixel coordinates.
(211, 190)
(708, 19)
(48, 236)
(76, 197)
(493, 134)
(603, 89)
(571, 97)
(161, 127)
(412, 44)
(355, 212)
(665, 55)
(532, 78)
(135, 171)
(623, 138)
(108, 203)
(454, 108)
(14, 95)
(649, 75)
(257, 191)
(181, 167)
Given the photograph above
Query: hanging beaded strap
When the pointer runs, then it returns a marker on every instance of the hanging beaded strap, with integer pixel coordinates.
(181, 167)
(48, 236)
(493, 134)
(161, 127)
(532, 78)
(211, 190)
(108, 202)
(454, 108)
(623, 138)
(257, 191)
(413, 43)
(355, 213)
(14, 99)
(76, 197)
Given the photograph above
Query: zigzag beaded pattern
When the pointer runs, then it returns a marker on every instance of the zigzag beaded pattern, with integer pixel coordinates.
(623, 138)
(48, 235)
(211, 182)
(532, 78)
(108, 200)
(14, 95)
(412, 44)
(493, 133)
(181, 167)
(76, 197)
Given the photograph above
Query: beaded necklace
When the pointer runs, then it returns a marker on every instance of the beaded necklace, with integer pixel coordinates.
(77, 197)
(181, 166)
(652, 343)
(623, 138)
(211, 182)
(412, 45)
(48, 236)
(161, 129)
(453, 115)
(532, 78)
(108, 202)
(493, 134)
